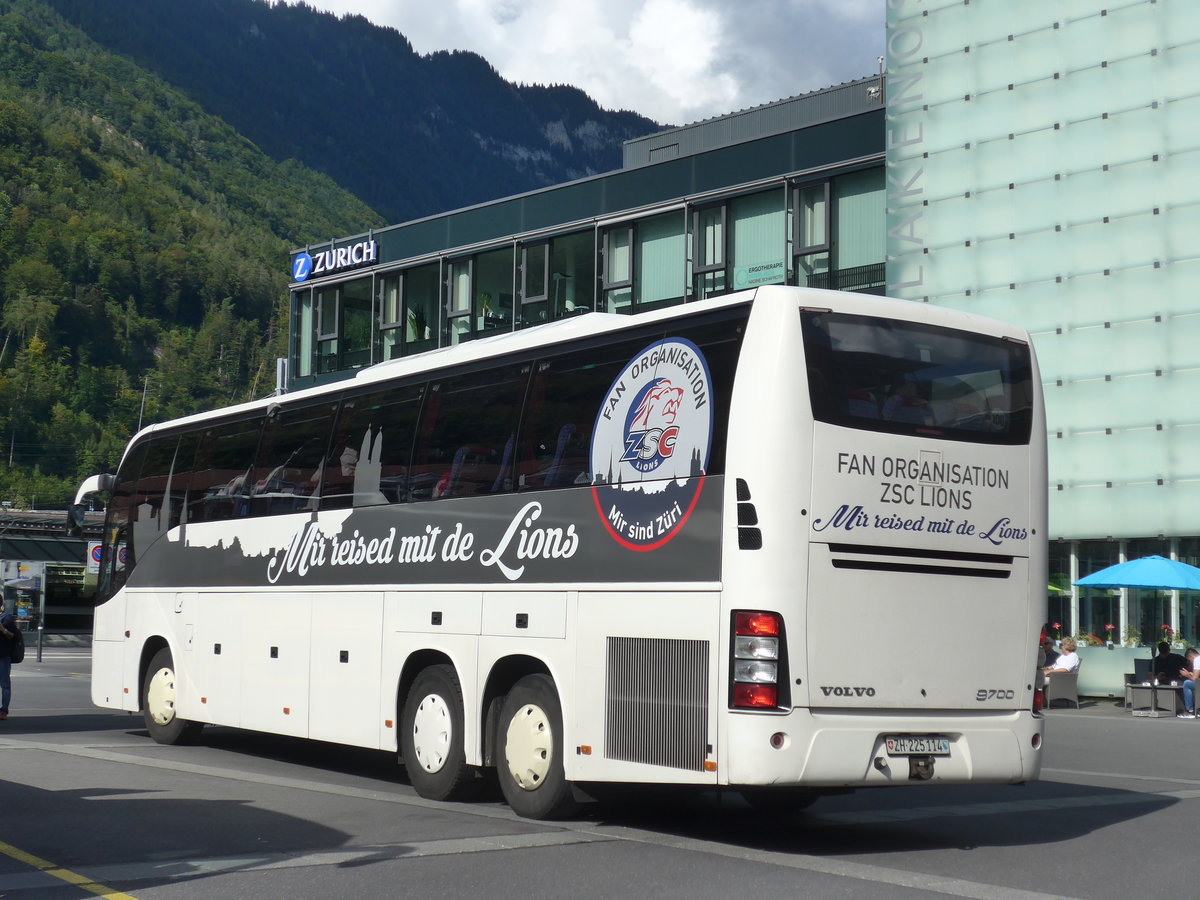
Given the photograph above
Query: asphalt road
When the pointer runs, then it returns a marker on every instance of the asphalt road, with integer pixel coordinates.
(89, 805)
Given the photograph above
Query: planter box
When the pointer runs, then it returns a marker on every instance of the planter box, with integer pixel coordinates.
(1102, 671)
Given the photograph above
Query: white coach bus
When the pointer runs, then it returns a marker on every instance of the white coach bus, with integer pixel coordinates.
(740, 543)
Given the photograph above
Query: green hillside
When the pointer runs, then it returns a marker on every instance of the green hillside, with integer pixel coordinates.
(143, 254)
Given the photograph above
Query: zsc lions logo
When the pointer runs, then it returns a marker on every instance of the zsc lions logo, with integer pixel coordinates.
(651, 444)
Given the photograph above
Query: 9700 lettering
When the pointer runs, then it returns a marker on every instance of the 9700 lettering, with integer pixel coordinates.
(983, 695)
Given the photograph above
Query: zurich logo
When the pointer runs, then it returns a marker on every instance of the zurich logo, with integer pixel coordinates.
(302, 267)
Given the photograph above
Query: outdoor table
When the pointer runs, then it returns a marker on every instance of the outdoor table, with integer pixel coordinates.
(1155, 700)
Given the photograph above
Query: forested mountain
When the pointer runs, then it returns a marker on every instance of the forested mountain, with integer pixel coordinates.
(143, 253)
(411, 135)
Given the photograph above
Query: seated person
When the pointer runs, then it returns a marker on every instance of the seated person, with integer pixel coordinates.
(1048, 649)
(1068, 660)
(1190, 673)
(1165, 667)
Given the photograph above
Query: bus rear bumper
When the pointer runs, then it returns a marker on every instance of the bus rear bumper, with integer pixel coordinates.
(854, 748)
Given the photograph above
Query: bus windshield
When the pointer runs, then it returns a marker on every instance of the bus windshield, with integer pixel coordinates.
(908, 378)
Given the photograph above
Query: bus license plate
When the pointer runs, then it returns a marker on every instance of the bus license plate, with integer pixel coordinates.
(917, 744)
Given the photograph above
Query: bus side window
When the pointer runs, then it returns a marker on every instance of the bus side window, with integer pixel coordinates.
(288, 470)
(468, 434)
(366, 462)
(218, 488)
(114, 569)
(151, 511)
(567, 394)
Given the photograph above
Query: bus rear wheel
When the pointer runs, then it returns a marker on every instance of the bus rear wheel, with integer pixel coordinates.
(531, 739)
(431, 737)
(159, 703)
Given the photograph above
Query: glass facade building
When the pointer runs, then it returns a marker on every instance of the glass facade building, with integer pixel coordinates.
(1041, 162)
(788, 193)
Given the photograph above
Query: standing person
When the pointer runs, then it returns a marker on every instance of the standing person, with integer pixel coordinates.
(8, 631)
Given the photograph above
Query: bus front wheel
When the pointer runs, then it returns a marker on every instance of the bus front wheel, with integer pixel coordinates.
(431, 737)
(531, 737)
(158, 703)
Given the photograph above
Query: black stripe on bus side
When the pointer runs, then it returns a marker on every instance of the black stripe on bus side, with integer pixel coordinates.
(961, 555)
(917, 569)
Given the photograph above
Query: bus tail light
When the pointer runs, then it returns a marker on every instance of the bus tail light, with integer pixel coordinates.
(755, 676)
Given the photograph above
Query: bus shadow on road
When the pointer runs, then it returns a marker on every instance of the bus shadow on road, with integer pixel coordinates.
(335, 758)
(142, 841)
(888, 821)
(82, 723)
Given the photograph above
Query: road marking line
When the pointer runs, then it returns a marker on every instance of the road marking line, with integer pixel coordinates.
(62, 874)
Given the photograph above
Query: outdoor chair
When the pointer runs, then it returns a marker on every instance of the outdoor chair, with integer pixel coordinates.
(1062, 686)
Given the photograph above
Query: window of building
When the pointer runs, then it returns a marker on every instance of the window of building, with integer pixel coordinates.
(421, 303)
(480, 296)
(810, 239)
(391, 316)
(859, 211)
(659, 271)
(838, 236)
(758, 245)
(1148, 610)
(618, 269)
(304, 329)
(535, 275)
(494, 291)
(344, 314)
(709, 276)
(564, 271)
(458, 301)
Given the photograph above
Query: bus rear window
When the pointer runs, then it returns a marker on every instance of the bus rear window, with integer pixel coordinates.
(907, 378)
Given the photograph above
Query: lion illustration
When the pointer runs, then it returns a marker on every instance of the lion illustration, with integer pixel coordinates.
(658, 408)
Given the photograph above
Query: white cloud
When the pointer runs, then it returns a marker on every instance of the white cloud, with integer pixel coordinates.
(672, 60)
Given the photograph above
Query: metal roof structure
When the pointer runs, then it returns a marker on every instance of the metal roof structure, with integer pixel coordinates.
(849, 99)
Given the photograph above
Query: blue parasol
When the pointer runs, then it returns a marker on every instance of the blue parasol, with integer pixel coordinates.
(1150, 573)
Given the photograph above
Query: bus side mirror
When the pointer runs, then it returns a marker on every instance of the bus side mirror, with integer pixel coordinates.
(94, 484)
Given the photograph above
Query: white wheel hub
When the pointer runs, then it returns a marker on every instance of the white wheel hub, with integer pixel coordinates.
(528, 746)
(433, 731)
(160, 696)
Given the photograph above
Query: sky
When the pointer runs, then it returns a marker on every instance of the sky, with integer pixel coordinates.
(675, 61)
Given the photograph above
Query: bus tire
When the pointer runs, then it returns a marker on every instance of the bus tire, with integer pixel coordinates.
(158, 703)
(431, 737)
(530, 768)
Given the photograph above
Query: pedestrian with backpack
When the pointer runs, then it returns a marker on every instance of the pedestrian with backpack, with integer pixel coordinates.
(10, 638)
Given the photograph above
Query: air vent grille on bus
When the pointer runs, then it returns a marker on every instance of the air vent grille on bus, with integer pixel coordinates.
(656, 702)
(923, 562)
